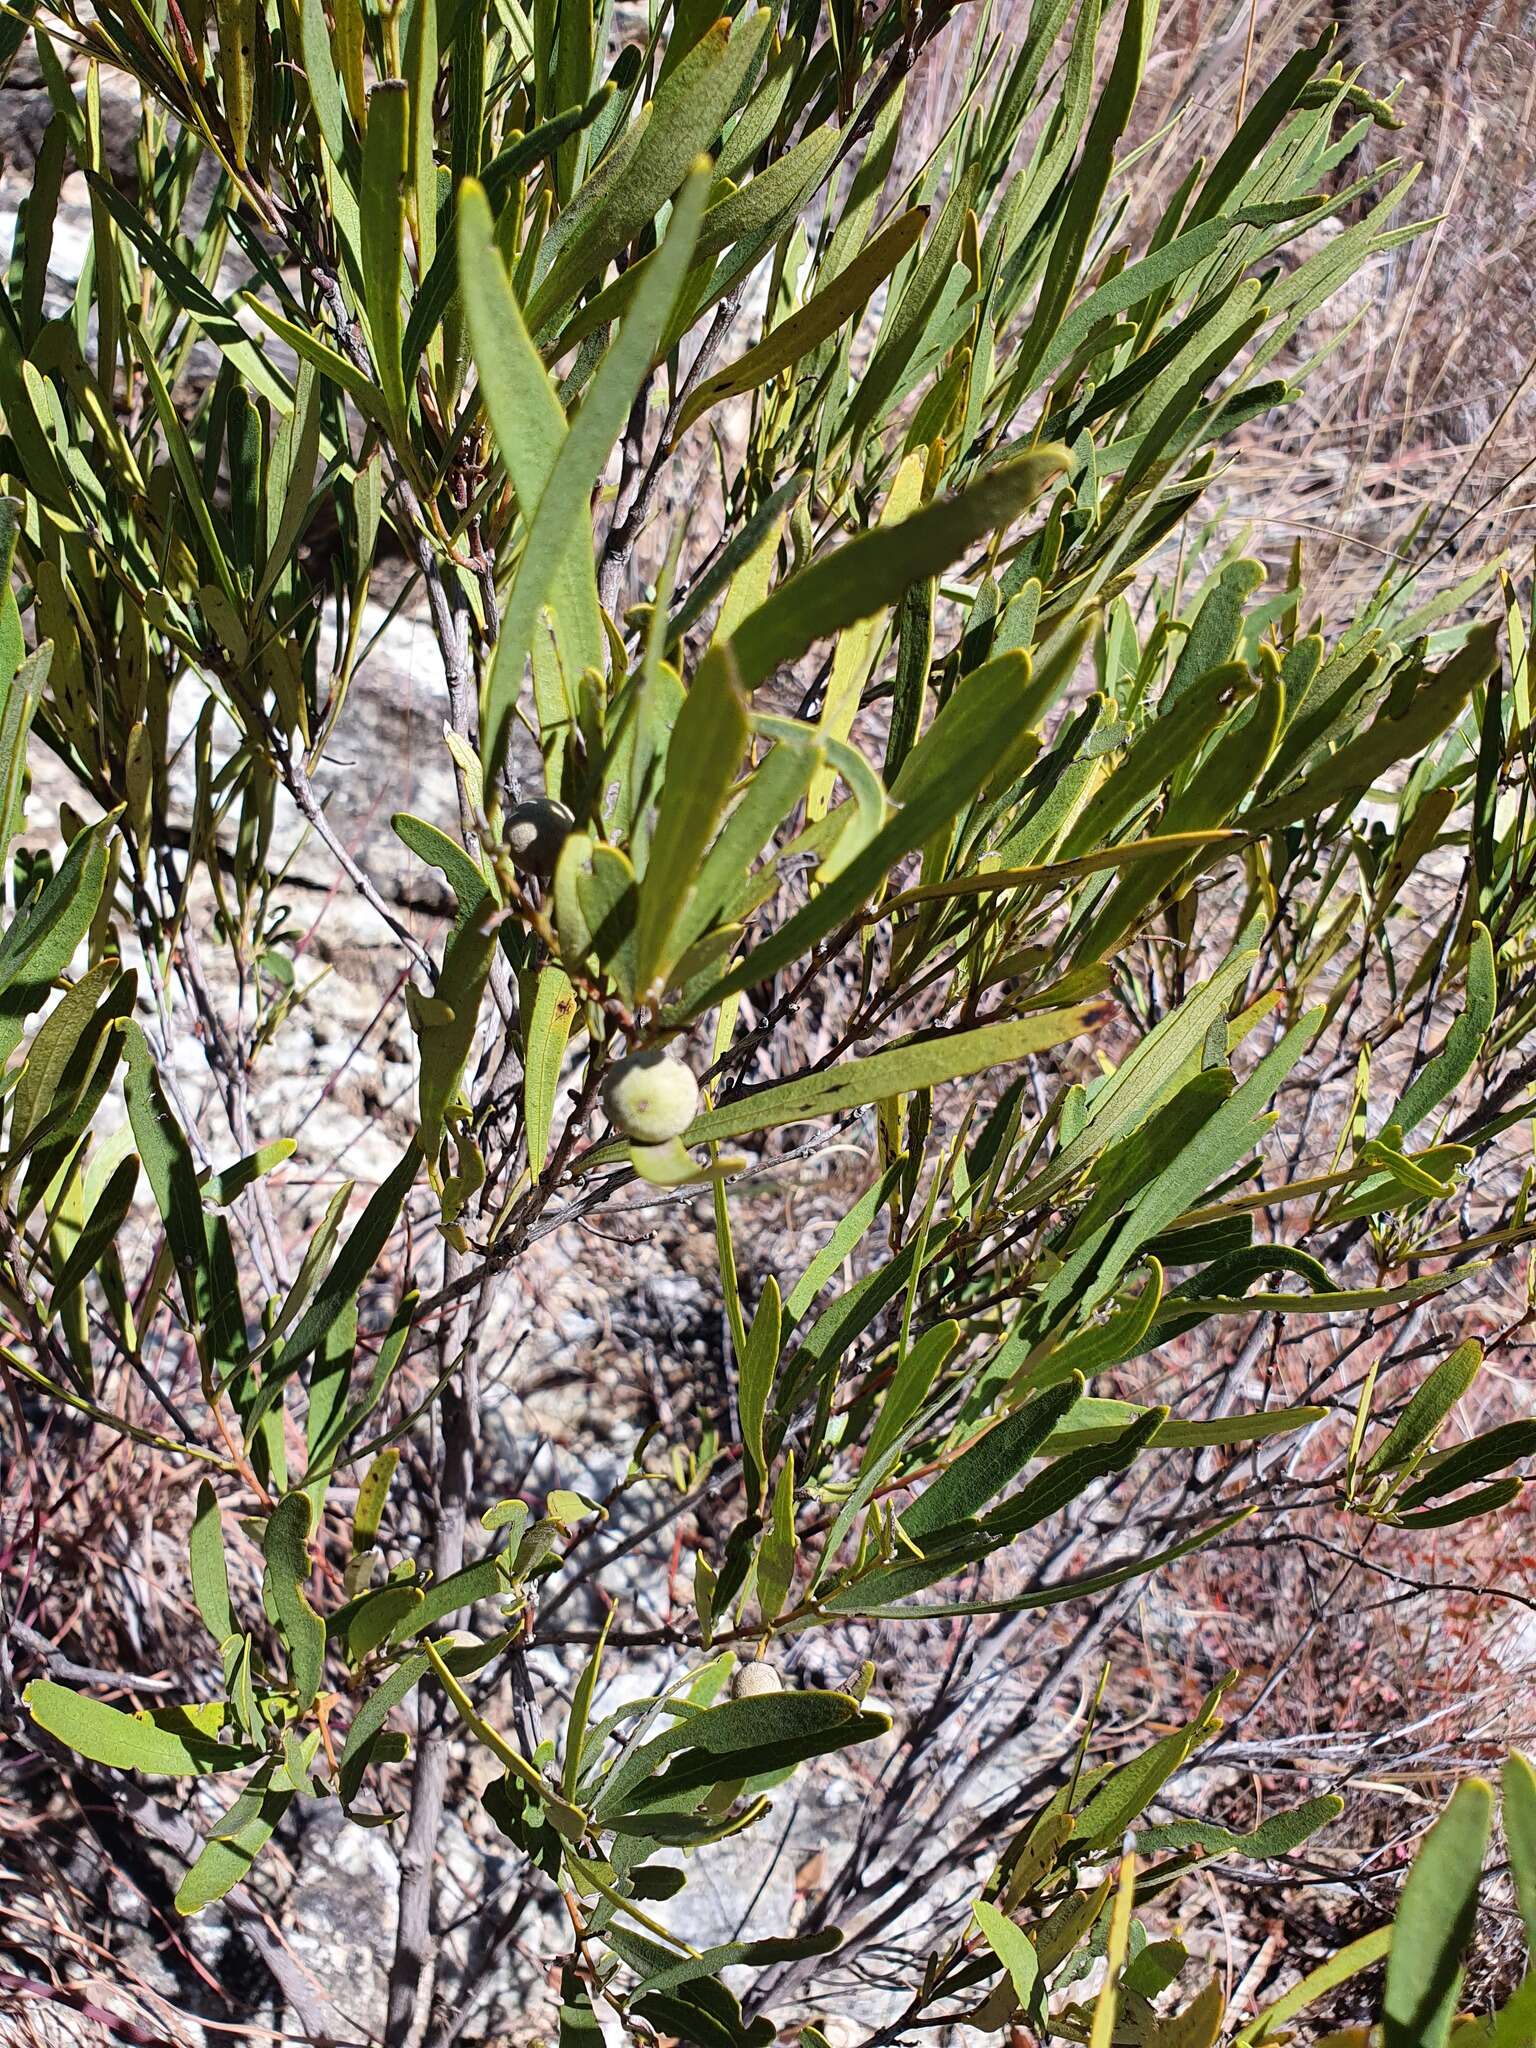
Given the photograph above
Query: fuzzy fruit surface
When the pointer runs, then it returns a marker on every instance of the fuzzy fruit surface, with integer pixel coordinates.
(752, 1681)
(536, 832)
(651, 1097)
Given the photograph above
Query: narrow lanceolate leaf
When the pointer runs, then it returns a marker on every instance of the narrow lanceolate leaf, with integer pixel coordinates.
(708, 743)
(210, 1575)
(39, 944)
(821, 316)
(1431, 1403)
(382, 205)
(547, 1033)
(776, 1554)
(1400, 730)
(565, 501)
(1012, 1947)
(952, 761)
(285, 1547)
(1281, 1835)
(1518, 1817)
(330, 362)
(1435, 1919)
(911, 1379)
(682, 120)
(352, 1265)
(758, 1365)
(1450, 1066)
(981, 1471)
(922, 1063)
(199, 1243)
(1352, 1960)
(528, 423)
(738, 1740)
(162, 1748)
(866, 575)
(234, 1842)
(446, 1033)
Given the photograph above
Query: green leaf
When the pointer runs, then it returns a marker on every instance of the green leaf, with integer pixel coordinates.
(234, 1843)
(1432, 1401)
(354, 1262)
(899, 1070)
(20, 694)
(565, 500)
(200, 1245)
(706, 750)
(189, 292)
(40, 943)
(955, 758)
(471, 891)
(738, 1739)
(758, 1366)
(729, 1955)
(1476, 1459)
(680, 122)
(867, 575)
(551, 1014)
(445, 1033)
(285, 1547)
(1012, 1947)
(369, 1721)
(1449, 1067)
(1281, 1835)
(339, 369)
(210, 1574)
(482, 1580)
(129, 1742)
(985, 1467)
(230, 1182)
(1435, 1919)
(581, 1708)
(1126, 1792)
(776, 1553)
(100, 1232)
(320, 77)
(914, 1374)
(1519, 1821)
(381, 190)
(1352, 1960)
(530, 431)
(71, 1036)
(1097, 1422)
(862, 1599)
(848, 1234)
(1407, 723)
(821, 315)
(1486, 1500)
(371, 1496)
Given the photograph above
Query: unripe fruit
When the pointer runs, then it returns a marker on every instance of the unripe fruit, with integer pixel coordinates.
(651, 1097)
(752, 1681)
(536, 832)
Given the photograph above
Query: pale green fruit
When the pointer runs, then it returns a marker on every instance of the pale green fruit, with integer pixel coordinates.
(651, 1097)
(752, 1681)
(536, 832)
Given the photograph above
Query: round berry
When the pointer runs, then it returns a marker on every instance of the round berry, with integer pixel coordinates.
(536, 832)
(651, 1097)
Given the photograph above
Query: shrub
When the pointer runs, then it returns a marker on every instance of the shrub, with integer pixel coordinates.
(1128, 892)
